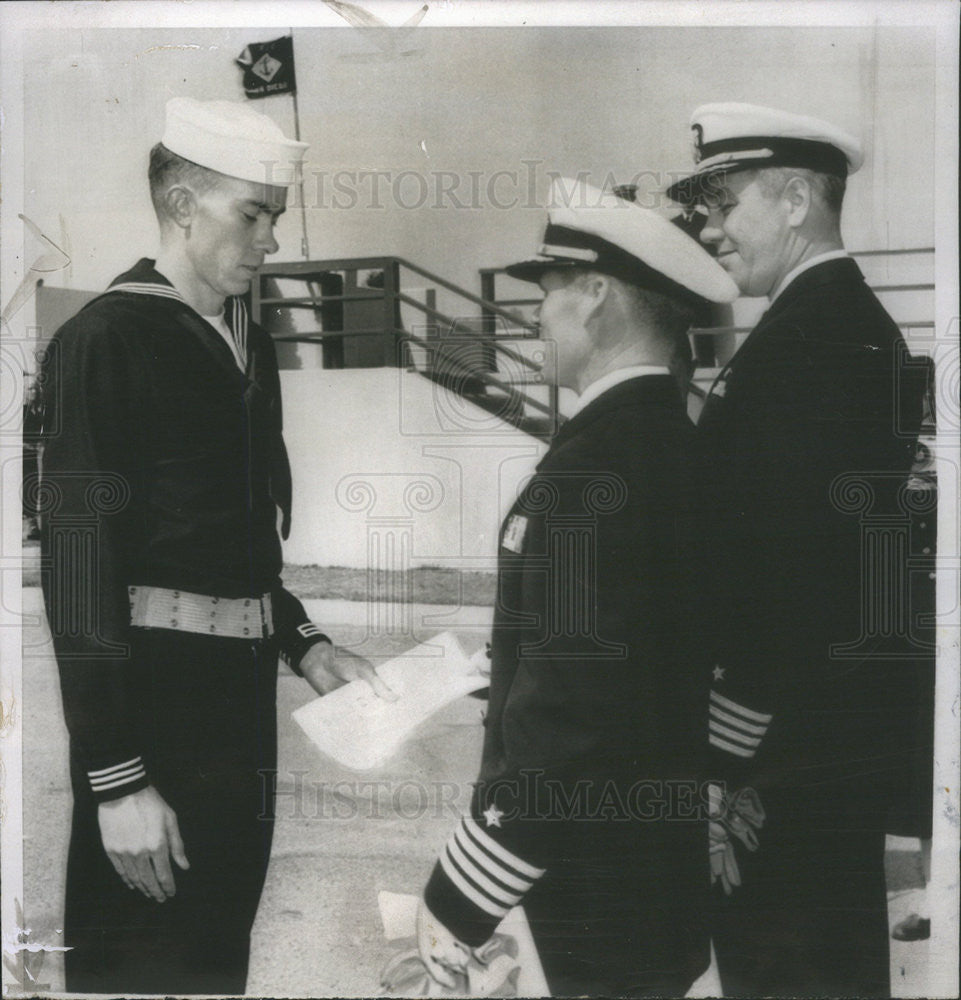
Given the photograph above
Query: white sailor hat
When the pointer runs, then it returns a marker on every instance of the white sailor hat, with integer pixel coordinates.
(597, 230)
(732, 136)
(232, 139)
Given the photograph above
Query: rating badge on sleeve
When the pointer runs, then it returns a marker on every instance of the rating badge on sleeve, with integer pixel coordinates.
(514, 532)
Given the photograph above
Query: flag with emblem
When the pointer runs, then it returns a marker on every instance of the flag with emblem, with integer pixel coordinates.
(269, 67)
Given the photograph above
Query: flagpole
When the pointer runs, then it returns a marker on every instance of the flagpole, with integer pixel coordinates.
(304, 245)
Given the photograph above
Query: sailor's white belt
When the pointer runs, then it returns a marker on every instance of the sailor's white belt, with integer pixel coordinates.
(233, 617)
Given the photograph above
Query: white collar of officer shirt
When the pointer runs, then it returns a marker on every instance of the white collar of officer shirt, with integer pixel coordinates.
(599, 386)
(801, 268)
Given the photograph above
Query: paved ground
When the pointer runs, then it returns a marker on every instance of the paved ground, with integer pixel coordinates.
(340, 838)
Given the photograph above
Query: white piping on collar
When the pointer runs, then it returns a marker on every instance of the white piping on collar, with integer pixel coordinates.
(148, 288)
(237, 325)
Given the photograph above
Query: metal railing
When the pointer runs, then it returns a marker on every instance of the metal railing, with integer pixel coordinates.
(466, 360)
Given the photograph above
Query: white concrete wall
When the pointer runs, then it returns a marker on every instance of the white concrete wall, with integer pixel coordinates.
(390, 471)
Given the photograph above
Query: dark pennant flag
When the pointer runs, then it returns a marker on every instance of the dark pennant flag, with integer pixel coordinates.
(269, 67)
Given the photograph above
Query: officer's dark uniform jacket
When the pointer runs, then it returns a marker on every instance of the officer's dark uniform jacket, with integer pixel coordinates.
(587, 807)
(808, 436)
(164, 466)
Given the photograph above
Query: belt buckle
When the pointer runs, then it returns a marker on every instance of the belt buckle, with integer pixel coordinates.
(266, 616)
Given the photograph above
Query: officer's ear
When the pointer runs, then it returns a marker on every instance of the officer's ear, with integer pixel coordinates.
(594, 288)
(798, 196)
(179, 205)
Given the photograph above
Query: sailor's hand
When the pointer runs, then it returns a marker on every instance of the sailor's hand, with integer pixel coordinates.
(442, 954)
(327, 667)
(140, 834)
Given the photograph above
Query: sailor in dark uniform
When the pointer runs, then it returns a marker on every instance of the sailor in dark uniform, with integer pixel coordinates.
(588, 807)
(808, 435)
(164, 482)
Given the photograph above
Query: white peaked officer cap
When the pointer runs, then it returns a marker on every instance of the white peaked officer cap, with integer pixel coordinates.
(599, 231)
(728, 137)
(232, 139)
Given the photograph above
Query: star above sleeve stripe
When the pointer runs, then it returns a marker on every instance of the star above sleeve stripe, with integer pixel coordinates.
(487, 844)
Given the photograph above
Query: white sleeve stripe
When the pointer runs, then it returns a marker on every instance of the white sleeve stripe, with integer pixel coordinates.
(749, 741)
(122, 781)
(116, 767)
(500, 852)
(733, 720)
(496, 893)
(716, 741)
(486, 863)
(733, 706)
(308, 629)
(100, 782)
(468, 890)
(137, 766)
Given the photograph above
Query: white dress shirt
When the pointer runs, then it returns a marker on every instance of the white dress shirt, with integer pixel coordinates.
(608, 381)
(809, 263)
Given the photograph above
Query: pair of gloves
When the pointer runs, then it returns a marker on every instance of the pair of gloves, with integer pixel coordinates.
(491, 971)
(731, 817)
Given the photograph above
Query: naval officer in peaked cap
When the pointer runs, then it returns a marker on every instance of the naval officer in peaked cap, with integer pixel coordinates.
(586, 810)
(819, 406)
(164, 458)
